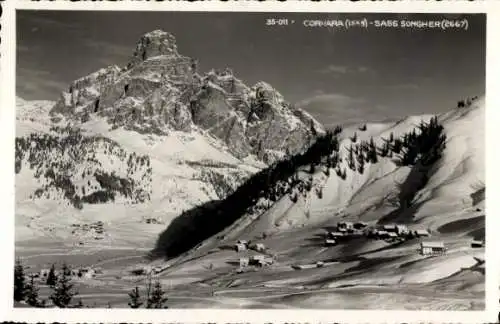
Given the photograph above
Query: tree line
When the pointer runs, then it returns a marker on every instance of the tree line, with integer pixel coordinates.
(63, 291)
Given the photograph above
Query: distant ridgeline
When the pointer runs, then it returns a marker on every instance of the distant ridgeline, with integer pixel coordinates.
(420, 148)
(83, 169)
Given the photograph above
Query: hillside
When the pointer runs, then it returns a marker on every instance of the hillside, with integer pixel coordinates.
(135, 146)
(156, 167)
(445, 197)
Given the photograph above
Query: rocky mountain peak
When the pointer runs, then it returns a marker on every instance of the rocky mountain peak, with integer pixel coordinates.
(160, 91)
(155, 43)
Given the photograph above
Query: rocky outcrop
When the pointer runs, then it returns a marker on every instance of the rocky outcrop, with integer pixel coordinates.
(160, 91)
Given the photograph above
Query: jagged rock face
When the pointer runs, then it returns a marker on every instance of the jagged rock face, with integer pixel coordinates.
(160, 91)
(155, 43)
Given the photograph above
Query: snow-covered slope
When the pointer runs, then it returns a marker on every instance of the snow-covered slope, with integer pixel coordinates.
(449, 204)
(137, 145)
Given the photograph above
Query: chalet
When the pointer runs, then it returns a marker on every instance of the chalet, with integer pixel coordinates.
(320, 264)
(262, 262)
(330, 242)
(240, 247)
(357, 233)
(392, 235)
(421, 232)
(477, 244)
(256, 259)
(382, 234)
(89, 273)
(335, 234)
(259, 247)
(345, 225)
(390, 228)
(402, 229)
(432, 248)
(244, 262)
(360, 225)
(244, 242)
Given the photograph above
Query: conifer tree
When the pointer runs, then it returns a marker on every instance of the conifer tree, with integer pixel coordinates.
(373, 152)
(157, 298)
(135, 298)
(19, 281)
(32, 293)
(354, 138)
(63, 291)
(350, 159)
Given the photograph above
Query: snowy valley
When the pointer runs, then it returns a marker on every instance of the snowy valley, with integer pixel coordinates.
(158, 169)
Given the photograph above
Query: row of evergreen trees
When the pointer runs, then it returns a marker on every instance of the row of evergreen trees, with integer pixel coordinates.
(280, 178)
(62, 288)
(63, 291)
(195, 225)
(155, 296)
(46, 154)
(425, 146)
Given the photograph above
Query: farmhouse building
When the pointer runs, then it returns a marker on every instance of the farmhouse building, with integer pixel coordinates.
(240, 247)
(382, 234)
(360, 225)
(256, 258)
(330, 242)
(402, 229)
(345, 225)
(432, 248)
(392, 235)
(335, 234)
(422, 232)
(244, 262)
(477, 244)
(390, 228)
(259, 247)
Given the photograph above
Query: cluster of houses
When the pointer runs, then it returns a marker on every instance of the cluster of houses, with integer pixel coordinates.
(97, 228)
(78, 273)
(259, 260)
(347, 230)
(389, 232)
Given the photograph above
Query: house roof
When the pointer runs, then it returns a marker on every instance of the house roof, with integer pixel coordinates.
(421, 231)
(432, 244)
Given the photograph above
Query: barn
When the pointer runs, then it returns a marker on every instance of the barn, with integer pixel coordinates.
(260, 247)
(421, 232)
(240, 247)
(244, 262)
(432, 248)
(477, 244)
(330, 242)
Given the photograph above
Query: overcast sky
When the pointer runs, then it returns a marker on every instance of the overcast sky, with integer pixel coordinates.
(338, 75)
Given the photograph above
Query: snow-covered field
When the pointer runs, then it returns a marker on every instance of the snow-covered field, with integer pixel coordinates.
(360, 274)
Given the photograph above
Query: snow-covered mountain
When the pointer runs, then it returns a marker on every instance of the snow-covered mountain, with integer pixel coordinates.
(160, 91)
(155, 135)
(445, 198)
(156, 154)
